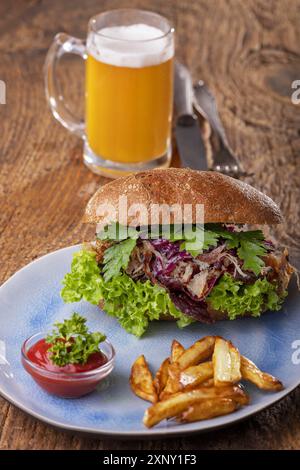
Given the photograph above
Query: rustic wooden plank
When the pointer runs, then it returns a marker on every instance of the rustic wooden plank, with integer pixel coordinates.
(248, 53)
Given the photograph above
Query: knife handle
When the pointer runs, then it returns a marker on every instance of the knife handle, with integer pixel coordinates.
(184, 95)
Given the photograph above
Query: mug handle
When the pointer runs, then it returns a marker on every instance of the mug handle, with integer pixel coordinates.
(62, 44)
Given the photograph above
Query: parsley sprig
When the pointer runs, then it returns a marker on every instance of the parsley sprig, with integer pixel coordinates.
(116, 257)
(195, 241)
(250, 245)
(71, 342)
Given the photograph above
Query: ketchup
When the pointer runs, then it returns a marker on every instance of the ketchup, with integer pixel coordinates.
(38, 353)
(62, 381)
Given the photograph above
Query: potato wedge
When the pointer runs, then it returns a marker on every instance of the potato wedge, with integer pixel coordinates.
(176, 350)
(226, 363)
(200, 351)
(195, 375)
(141, 380)
(161, 376)
(261, 379)
(170, 407)
(173, 384)
(208, 409)
(180, 402)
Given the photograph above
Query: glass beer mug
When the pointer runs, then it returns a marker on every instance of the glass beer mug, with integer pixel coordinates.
(128, 91)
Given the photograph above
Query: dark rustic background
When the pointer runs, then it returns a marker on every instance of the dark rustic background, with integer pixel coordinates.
(248, 52)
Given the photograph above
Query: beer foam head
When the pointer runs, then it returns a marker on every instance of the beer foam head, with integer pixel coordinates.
(137, 45)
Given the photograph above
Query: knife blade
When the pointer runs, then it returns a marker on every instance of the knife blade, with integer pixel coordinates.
(187, 132)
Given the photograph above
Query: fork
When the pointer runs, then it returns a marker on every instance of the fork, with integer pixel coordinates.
(224, 160)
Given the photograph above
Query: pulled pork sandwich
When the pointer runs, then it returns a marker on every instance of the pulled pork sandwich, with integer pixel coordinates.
(138, 275)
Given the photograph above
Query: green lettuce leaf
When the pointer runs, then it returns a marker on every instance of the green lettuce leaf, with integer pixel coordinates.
(137, 303)
(84, 280)
(238, 299)
(134, 304)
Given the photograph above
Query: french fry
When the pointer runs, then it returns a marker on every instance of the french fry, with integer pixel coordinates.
(208, 409)
(200, 351)
(141, 380)
(170, 407)
(226, 363)
(261, 379)
(180, 402)
(176, 350)
(195, 375)
(161, 376)
(173, 384)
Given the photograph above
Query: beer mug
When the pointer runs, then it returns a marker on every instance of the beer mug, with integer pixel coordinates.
(129, 58)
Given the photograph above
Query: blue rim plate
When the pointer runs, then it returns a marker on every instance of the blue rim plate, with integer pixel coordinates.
(30, 302)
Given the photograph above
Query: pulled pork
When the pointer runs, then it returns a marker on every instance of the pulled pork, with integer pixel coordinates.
(189, 280)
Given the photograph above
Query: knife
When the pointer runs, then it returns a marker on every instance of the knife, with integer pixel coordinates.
(187, 132)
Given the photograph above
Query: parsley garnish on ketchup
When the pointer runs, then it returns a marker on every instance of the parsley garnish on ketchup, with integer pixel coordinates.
(71, 343)
(69, 348)
(68, 361)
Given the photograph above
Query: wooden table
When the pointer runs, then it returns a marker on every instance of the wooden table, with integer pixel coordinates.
(248, 52)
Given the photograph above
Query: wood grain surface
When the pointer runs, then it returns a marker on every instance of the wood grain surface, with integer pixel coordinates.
(248, 52)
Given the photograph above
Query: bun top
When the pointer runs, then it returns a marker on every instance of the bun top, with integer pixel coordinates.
(225, 199)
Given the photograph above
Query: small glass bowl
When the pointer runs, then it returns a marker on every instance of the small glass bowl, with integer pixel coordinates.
(67, 385)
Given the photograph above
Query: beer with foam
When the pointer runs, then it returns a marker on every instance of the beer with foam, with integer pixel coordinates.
(128, 90)
(129, 93)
